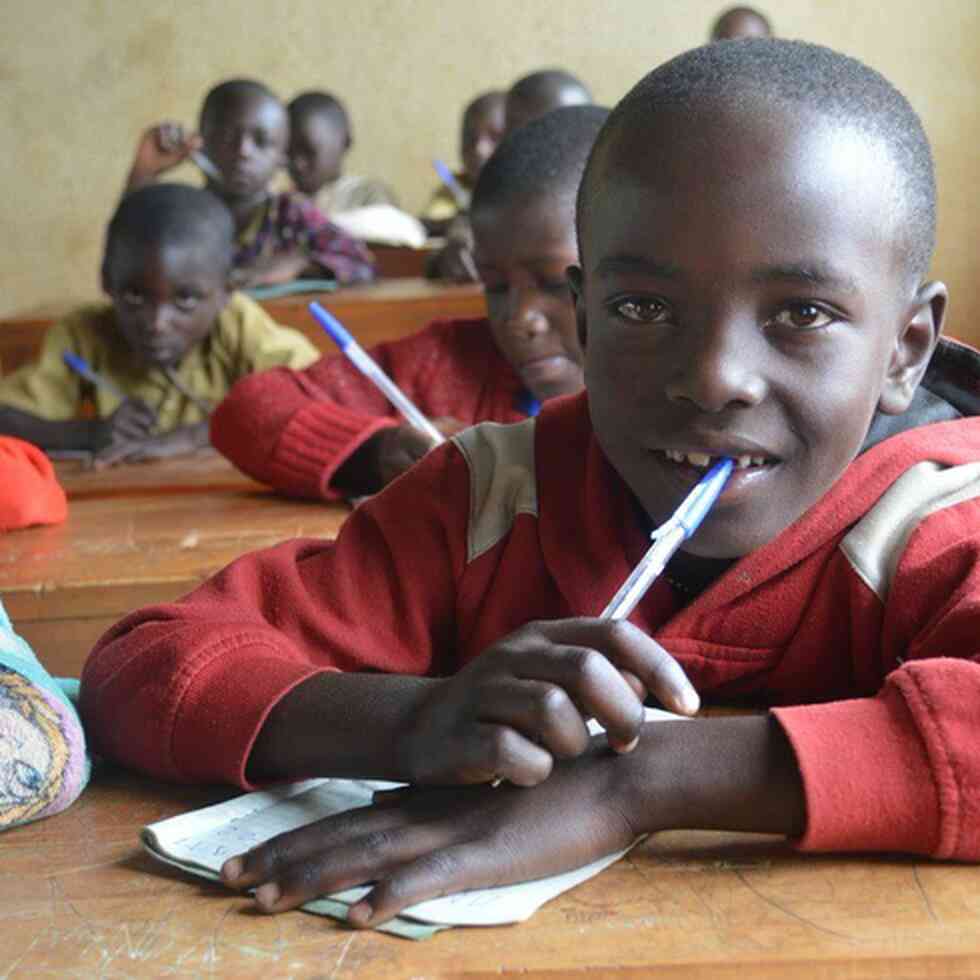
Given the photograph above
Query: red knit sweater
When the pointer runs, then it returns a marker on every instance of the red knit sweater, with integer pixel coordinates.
(293, 429)
(864, 614)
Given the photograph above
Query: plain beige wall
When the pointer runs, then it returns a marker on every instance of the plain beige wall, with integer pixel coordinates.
(80, 78)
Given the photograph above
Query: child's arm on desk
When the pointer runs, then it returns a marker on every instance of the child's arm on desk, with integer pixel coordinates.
(730, 773)
(130, 420)
(140, 447)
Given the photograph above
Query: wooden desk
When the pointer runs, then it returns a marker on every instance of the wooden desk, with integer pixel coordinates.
(136, 535)
(380, 311)
(78, 898)
(401, 261)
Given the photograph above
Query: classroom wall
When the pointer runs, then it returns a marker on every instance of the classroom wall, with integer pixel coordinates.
(80, 79)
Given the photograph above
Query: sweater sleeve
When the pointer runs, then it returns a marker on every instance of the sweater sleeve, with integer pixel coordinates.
(181, 690)
(292, 429)
(900, 771)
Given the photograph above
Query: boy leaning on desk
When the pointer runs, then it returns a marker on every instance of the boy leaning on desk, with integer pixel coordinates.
(163, 351)
(755, 224)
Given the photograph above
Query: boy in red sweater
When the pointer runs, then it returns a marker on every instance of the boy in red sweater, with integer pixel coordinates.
(755, 223)
(327, 431)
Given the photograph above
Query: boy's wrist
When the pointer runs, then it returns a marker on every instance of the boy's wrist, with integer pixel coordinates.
(733, 773)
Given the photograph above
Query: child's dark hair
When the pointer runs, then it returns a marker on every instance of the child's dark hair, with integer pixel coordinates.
(326, 105)
(804, 75)
(171, 214)
(233, 88)
(542, 84)
(547, 156)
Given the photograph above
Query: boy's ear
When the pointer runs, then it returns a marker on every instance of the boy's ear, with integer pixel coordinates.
(574, 275)
(913, 348)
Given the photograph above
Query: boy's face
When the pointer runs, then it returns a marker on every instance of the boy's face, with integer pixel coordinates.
(166, 298)
(316, 152)
(246, 139)
(482, 131)
(745, 293)
(522, 250)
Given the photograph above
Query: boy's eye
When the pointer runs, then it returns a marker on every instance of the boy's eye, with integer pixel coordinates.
(642, 310)
(557, 286)
(186, 303)
(803, 316)
(132, 298)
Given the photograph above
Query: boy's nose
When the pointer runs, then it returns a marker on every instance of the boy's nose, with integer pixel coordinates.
(718, 366)
(526, 319)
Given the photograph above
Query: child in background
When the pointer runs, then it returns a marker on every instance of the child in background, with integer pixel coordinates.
(327, 431)
(167, 346)
(319, 138)
(482, 130)
(529, 98)
(533, 95)
(755, 224)
(740, 22)
(244, 135)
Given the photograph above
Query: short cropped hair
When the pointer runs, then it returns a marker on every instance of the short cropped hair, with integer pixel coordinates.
(218, 97)
(798, 74)
(326, 105)
(547, 156)
(172, 214)
(543, 83)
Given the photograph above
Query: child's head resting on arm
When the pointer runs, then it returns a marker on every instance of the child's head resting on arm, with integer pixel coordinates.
(523, 214)
(245, 130)
(319, 137)
(755, 224)
(166, 268)
(533, 95)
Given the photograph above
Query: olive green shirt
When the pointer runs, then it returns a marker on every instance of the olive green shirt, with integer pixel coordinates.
(244, 339)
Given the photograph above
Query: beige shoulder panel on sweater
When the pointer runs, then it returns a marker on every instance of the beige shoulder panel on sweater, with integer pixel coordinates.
(503, 483)
(875, 545)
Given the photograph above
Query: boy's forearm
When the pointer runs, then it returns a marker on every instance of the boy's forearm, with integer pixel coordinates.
(337, 724)
(733, 773)
(48, 434)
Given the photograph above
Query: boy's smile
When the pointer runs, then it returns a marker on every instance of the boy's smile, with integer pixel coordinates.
(745, 294)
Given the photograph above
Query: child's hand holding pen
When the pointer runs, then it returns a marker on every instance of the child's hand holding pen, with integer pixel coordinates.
(161, 148)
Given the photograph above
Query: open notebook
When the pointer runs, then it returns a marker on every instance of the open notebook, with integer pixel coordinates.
(201, 841)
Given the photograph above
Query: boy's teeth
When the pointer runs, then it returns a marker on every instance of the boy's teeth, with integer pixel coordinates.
(703, 460)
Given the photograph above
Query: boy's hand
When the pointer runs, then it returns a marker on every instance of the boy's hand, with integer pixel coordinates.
(140, 448)
(132, 420)
(429, 842)
(160, 149)
(526, 700)
(398, 449)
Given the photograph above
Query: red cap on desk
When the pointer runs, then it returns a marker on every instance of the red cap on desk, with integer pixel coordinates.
(29, 490)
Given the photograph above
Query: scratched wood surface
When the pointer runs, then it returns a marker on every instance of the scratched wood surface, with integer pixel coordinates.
(78, 898)
(374, 312)
(136, 535)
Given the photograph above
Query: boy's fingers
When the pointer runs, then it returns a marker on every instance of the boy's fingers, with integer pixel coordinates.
(631, 649)
(495, 752)
(542, 712)
(452, 869)
(591, 680)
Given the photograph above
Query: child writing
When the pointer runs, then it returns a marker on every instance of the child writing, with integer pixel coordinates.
(319, 138)
(244, 135)
(327, 431)
(167, 347)
(529, 98)
(755, 225)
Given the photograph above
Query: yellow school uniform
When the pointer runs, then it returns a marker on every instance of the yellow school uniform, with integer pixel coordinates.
(244, 339)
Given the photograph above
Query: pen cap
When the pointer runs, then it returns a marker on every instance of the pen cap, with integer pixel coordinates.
(694, 510)
(76, 363)
(444, 172)
(332, 325)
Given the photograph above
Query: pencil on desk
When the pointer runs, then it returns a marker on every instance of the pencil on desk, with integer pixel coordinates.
(363, 361)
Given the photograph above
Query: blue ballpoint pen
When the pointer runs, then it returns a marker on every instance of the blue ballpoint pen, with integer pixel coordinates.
(455, 188)
(80, 366)
(668, 538)
(363, 361)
